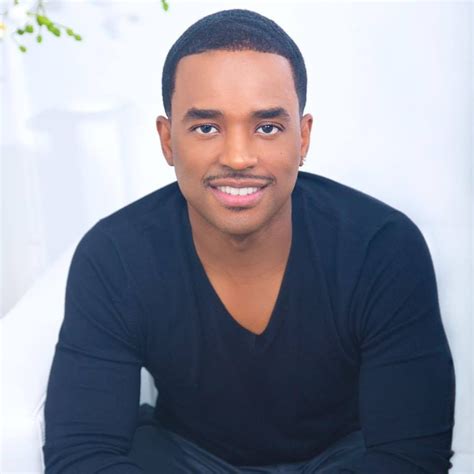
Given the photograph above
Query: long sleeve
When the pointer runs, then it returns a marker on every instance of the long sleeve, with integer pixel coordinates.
(407, 386)
(93, 389)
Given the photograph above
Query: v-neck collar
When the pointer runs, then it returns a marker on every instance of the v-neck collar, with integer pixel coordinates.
(227, 323)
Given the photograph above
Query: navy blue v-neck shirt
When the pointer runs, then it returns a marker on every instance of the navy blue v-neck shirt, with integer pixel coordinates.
(355, 341)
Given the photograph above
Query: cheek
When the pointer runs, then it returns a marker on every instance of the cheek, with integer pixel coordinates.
(285, 150)
(192, 158)
(190, 173)
(285, 159)
(186, 164)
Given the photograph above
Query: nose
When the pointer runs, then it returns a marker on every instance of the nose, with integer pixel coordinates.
(237, 152)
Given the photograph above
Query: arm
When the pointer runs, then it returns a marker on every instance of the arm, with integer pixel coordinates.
(406, 385)
(93, 388)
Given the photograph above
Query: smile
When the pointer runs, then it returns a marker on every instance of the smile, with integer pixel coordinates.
(238, 198)
(237, 191)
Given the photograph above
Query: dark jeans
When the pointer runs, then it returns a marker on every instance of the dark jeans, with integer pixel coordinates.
(158, 451)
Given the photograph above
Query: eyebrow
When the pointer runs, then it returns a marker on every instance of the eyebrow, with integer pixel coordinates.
(199, 114)
(274, 112)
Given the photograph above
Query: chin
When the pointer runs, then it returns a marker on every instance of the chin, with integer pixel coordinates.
(235, 221)
(237, 227)
(238, 230)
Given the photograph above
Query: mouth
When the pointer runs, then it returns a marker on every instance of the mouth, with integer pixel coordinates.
(238, 197)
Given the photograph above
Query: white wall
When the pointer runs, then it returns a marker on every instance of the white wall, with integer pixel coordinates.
(390, 87)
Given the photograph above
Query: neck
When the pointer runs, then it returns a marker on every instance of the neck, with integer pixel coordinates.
(242, 257)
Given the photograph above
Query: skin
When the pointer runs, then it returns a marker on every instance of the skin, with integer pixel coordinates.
(241, 248)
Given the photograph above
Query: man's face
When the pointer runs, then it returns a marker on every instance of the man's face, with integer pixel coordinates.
(235, 138)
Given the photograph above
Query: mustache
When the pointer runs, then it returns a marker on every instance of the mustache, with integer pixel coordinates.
(239, 175)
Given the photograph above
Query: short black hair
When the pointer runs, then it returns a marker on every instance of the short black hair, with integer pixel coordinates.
(234, 30)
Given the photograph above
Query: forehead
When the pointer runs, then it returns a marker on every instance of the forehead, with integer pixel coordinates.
(234, 82)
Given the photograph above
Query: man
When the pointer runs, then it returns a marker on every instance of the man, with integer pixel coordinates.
(291, 323)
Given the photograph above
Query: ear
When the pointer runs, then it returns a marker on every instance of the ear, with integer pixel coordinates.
(305, 127)
(163, 125)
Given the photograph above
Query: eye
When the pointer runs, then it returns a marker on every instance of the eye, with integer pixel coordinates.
(269, 129)
(205, 129)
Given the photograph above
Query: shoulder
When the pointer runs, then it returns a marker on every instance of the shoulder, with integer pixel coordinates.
(352, 233)
(122, 235)
(344, 210)
(148, 211)
(337, 201)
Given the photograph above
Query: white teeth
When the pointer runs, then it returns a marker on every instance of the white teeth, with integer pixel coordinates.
(237, 191)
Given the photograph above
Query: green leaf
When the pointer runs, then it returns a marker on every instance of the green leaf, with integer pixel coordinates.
(20, 32)
(29, 28)
(39, 38)
(70, 32)
(165, 5)
(22, 48)
(78, 37)
(43, 20)
(56, 32)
